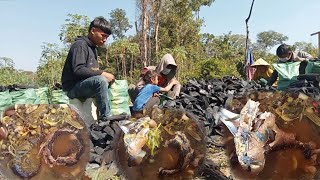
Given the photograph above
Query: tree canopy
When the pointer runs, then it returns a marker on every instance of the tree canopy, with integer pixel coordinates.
(161, 27)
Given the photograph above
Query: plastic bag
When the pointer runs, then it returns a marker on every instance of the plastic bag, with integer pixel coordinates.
(27, 96)
(59, 97)
(313, 67)
(5, 100)
(42, 94)
(136, 135)
(288, 73)
(119, 97)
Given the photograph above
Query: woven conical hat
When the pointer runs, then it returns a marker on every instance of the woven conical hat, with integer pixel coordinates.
(260, 62)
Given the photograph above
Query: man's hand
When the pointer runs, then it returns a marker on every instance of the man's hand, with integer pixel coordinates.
(300, 59)
(110, 77)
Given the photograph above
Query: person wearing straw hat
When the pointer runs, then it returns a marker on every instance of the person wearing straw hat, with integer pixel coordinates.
(262, 72)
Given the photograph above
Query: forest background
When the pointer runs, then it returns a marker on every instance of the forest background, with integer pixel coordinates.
(162, 27)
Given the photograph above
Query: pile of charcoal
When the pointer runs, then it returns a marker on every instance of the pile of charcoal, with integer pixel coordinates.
(15, 87)
(204, 97)
(200, 97)
(309, 85)
(102, 134)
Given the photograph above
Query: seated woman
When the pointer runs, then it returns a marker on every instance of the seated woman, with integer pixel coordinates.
(167, 69)
(262, 72)
(148, 95)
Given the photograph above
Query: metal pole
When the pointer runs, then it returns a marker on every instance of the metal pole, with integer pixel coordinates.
(247, 38)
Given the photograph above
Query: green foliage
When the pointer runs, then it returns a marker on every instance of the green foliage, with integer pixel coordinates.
(268, 39)
(307, 47)
(241, 69)
(217, 68)
(24, 77)
(120, 23)
(50, 66)
(9, 75)
(197, 55)
(225, 55)
(154, 139)
(76, 25)
(179, 34)
(123, 54)
(270, 58)
(197, 4)
(227, 46)
(178, 27)
(6, 62)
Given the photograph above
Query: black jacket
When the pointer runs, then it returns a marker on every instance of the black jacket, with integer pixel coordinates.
(81, 63)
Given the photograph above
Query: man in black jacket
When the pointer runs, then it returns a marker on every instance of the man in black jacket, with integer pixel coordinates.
(81, 77)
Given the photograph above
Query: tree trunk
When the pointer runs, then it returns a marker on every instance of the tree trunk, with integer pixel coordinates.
(140, 41)
(247, 31)
(157, 22)
(107, 62)
(247, 39)
(149, 48)
(143, 34)
(131, 68)
(123, 60)
(117, 63)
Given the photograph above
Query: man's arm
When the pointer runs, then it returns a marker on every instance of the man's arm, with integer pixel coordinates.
(79, 61)
(169, 86)
(301, 55)
(140, 84)
(273, 78)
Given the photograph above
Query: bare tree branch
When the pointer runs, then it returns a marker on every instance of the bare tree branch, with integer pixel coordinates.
(247, 28)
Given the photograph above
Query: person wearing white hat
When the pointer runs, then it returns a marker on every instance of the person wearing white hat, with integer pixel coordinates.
(262, 72)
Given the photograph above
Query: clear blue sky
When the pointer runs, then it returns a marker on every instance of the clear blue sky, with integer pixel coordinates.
(26, 24)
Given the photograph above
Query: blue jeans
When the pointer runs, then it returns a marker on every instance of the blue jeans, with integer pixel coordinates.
(93, 87)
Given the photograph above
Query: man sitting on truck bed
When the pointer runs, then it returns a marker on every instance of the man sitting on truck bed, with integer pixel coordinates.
(81, 77)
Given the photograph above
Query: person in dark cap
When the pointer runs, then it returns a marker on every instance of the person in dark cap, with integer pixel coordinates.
(285, 53)
(81, 77)
(289, 65)
(167, 69)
